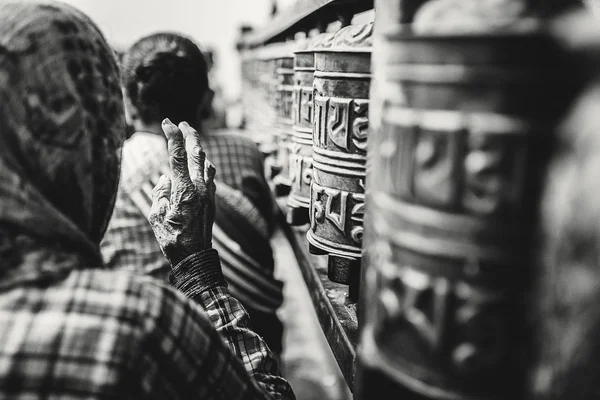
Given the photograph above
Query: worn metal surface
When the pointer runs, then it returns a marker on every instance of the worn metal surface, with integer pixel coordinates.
(284, 72)
(459, 137)
(258, 113)
(337, 315)
(258, 85)
(304, 15)
(340, 122)
(301, 143)
(263, 91)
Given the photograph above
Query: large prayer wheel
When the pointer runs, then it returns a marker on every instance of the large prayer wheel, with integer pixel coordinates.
(340, 125)
(284, 72)
(457, 152)
(301, 142)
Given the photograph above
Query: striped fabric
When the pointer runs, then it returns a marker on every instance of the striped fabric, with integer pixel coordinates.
(249, 276)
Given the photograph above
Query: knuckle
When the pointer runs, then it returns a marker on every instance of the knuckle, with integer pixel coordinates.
(196, 150)
(178, 152)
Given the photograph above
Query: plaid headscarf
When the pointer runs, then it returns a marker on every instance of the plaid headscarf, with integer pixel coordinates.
(61, 132)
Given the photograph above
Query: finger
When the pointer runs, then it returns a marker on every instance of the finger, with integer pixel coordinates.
(177, 153)
(209, 171)
(160, 199)
(162, 189)
(196, 156)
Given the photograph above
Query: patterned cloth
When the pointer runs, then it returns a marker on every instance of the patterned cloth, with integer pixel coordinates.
(239, 165)
(113, 335)
(59, 139)
(69, 330)
(240, 233)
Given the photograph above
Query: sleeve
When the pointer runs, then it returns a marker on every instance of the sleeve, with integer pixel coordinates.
(186, 357)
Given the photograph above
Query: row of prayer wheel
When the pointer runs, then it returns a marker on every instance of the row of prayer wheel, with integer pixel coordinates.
(435, 219)
(318, 90)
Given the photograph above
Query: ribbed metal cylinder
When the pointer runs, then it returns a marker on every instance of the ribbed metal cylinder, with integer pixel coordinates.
(284, 72)
(301, 150)
(340, 126)
(460, 131)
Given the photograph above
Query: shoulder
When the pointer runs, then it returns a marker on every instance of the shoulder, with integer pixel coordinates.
(145, 324)
(140, 303)
(123, 289)
(145, 157)
(144, 145)
(143, 291)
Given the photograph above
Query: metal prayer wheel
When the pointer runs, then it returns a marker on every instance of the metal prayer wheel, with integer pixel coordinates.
(340, 125)
(257, 110)
(301, 142)
(269, 108)
(456, 157)
(284, 71)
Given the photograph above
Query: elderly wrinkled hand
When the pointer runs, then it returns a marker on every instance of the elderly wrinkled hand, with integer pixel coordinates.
(183, 207)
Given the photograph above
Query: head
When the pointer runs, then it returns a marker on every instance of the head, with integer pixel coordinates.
(165, 75)
(61, 123)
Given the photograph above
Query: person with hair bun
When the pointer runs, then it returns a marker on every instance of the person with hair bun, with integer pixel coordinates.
(165, 75)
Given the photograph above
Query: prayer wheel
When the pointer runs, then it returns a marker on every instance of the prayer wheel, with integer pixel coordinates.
(284, 71)
(254, 101)
(269, 108)
(301, 142)
(458, 146)
(340, 125)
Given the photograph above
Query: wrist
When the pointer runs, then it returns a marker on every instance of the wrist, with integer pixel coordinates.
(176, 255)
(198, 273)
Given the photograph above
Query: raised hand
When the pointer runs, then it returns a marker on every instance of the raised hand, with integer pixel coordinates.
(183, 207)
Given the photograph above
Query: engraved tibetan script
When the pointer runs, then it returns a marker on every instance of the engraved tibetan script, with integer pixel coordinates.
(463, 324)
(319, 120)
(300, 167)
(338, 207)
(360, 125)
(344, 122)
(338, 121)
(494, 173)
(305, 105)
(436, 167)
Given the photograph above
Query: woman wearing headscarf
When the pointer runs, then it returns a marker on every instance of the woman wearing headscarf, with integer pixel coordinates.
(68, 327)
(166, 75)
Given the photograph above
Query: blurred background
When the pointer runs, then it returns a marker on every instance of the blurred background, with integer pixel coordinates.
(213, 24)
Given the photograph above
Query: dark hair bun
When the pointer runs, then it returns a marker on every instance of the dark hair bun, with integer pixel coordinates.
(169, 77)
(165, 75)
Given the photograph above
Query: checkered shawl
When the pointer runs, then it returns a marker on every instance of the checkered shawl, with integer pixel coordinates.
(100, 334)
